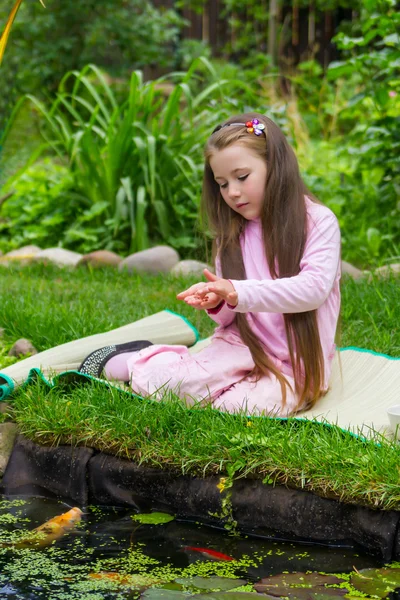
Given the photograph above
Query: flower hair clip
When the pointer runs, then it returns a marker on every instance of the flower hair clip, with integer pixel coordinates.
(254, 126)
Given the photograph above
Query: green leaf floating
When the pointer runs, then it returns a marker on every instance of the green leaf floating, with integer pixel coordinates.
(304, 586)
(230, 596)
(163, 594)
(211, 583)
(155, 518)
(376, 582)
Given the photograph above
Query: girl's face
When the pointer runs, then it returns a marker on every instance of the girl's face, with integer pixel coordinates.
(241, 175)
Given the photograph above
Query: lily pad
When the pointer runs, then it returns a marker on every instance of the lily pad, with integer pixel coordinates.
(172, 585)
(305, 586)
(298, 593)
(163, 594)
(322, 594)
(230, 596)
(376, 582)
(211, 583)
(155, 518)
(303, 580)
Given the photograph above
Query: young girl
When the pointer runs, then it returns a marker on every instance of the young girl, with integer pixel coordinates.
(275, 296)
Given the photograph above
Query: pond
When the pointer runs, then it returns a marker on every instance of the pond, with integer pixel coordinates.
(110, 554)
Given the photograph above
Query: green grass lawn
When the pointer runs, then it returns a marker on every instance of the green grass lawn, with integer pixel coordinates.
(51, 306)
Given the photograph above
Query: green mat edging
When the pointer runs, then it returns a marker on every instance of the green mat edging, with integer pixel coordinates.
(188, 323)
(367, 351)
(8, 387)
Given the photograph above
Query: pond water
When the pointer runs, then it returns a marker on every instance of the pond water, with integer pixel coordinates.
(110, 555)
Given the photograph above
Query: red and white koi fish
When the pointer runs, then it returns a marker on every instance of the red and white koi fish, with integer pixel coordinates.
(52, 530)
(209, 553)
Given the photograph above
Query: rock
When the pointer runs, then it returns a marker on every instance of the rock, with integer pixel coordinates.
(22, 347)
(100, 258)
(388, 270)
(23, 255)
(8, 433)
(190, 267)
(348, 269)
(160, 259)
(59, 257)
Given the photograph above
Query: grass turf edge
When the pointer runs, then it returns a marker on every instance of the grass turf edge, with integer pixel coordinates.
(200, 441)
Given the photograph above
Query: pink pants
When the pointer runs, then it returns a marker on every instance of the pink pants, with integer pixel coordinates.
(215, 374)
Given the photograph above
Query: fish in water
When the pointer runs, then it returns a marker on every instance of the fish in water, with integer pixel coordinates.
(52, 530)
(209, 553)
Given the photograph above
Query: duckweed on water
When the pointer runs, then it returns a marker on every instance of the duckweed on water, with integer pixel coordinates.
(114, 558)
(56, 567)
(9, 519)
(7, 504)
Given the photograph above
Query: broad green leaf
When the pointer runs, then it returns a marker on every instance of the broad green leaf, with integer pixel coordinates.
(298, 583)
(382, 96)
(162, 218)
(231, 596)
(376, 582)
(164, 594)
(339, 68)
(374, 238)
(211, 583)
(141, 241)
(155, 518)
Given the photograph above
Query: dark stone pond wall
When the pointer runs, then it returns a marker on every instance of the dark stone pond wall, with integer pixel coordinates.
(84, 476)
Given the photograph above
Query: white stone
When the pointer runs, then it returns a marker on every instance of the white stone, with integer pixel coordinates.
(190, 267)
(348, 269)
(59, 257)
(387, 270)
(101, 258)
(160, 259)
(23, 255)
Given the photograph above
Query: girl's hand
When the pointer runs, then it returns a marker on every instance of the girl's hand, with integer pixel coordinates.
(205, 301)
(222, 287)
(210, 295)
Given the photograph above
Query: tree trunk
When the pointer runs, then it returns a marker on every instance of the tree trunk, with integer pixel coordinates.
(273, 8)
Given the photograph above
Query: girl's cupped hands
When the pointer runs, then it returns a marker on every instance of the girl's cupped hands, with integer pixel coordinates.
(208, 295)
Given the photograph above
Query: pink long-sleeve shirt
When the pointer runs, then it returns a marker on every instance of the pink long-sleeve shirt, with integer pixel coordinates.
(266, 300)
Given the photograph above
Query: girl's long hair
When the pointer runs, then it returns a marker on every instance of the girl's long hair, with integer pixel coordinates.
(284, 228)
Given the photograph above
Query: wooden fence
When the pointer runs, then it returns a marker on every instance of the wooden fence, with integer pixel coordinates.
(289, 35)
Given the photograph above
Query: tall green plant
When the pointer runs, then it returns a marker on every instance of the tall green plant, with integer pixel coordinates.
(136, 165)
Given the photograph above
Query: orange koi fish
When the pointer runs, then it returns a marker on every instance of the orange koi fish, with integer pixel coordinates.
(52, 530)
(209, 553)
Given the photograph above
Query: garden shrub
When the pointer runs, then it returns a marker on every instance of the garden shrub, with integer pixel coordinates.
(46, 43)
(42, 203)
(136, 165)
(372, 53)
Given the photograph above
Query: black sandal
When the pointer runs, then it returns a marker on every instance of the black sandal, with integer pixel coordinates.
(95, 362)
